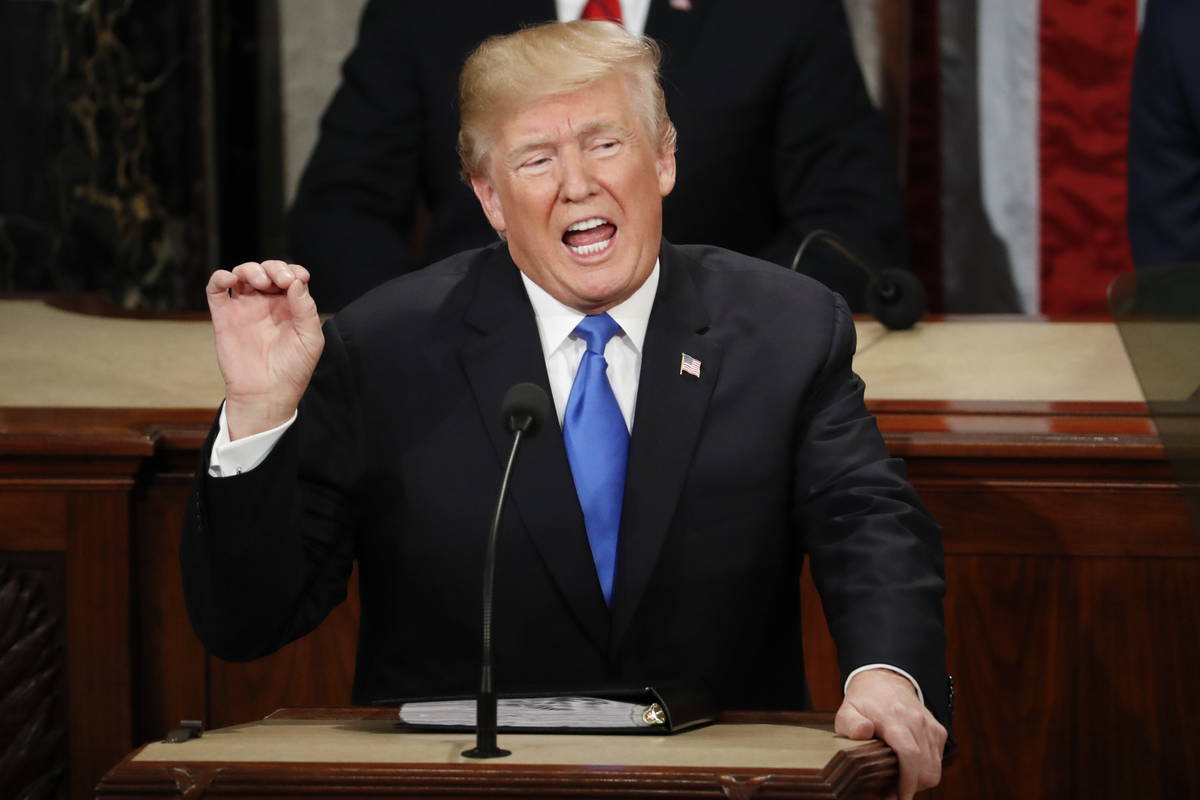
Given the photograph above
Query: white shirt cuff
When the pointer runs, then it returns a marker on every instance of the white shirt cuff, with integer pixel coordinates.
(233, 458)
(897, 670)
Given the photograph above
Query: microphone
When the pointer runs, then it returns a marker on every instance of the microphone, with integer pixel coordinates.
(894, 296)
(523, 411)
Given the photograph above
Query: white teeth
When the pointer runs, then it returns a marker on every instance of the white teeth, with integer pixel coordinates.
(587, 224)
(588, 249)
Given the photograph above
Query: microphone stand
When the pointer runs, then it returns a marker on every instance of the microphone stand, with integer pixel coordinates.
(894, 296)
(828, 238)
(485, 703)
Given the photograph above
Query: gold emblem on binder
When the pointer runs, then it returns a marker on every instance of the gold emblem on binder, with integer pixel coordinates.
(654, 715)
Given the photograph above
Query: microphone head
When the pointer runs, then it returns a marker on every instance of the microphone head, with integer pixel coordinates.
(896, 298)
(525, 408)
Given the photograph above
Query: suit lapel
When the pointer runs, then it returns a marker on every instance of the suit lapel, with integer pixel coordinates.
(670, 410)
(542, 491)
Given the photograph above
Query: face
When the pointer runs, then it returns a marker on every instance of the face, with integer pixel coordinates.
(576, 183)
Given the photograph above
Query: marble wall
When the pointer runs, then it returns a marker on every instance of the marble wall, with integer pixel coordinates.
(102, 156)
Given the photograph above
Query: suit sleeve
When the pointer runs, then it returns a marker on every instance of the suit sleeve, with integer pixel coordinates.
(266, 555)
(357, 197)
(875, 551)
(833, 161)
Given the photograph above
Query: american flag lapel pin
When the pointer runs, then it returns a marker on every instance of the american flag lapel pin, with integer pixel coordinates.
(681, 5)
(689, 365)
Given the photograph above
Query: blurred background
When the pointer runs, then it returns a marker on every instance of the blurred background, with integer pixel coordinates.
(146, 143)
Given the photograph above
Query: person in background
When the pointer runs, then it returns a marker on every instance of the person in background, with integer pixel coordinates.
(777, 134)
(1164, 136)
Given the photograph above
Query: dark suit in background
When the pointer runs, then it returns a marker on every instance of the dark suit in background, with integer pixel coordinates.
(734, 477)
(776, 137)
(1164, 136)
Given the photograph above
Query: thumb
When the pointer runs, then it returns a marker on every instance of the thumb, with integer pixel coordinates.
(851, 724)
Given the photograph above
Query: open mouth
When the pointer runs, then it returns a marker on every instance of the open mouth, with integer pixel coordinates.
(589, 236)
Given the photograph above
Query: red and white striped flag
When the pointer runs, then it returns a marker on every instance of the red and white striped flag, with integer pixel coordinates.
(1016, 150)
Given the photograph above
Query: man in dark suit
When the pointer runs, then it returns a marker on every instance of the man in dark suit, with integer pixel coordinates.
(377, 440)
(777, 134)
(1164, 137)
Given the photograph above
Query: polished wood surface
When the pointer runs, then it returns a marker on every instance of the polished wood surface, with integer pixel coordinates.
(1073, 590)
(551, 766)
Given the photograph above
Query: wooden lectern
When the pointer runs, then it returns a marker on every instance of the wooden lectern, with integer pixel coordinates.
(357, 751)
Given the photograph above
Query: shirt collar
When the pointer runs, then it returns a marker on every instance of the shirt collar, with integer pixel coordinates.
(555, 320)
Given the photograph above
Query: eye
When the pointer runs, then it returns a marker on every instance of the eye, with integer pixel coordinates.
(606, 146)
(535, 165)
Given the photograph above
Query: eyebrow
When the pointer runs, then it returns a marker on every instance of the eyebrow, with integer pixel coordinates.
(589, 128)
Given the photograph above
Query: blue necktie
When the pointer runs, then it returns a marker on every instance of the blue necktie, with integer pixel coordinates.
(597, 444)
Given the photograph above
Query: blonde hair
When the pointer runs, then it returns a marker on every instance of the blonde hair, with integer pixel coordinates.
(506, 72)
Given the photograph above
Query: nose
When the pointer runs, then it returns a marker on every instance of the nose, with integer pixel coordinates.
(577, 182)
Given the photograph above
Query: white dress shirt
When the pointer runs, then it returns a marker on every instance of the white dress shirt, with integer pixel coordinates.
(564, 350)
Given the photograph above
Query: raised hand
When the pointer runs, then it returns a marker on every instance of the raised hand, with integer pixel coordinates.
(268, 338)
(883, 704)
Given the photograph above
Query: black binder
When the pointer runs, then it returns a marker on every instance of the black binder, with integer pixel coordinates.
(673, 708)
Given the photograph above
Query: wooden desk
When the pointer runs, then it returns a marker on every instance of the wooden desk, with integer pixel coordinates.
(1073, 572)
(349, 751)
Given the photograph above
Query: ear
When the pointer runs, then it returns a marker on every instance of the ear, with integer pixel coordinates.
(489, 200)
(664, 165)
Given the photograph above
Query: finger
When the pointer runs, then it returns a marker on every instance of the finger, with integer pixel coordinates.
(936, 734)
(280, 273)
(300, 272)
(851, 724)
(217, 290)
(940, 735)
(936, 742)
(931, 737)
(253, 278)
(911, 757)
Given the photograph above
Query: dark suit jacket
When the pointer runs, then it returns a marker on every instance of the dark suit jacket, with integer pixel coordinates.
(776, 137)
(1164, 137)
(733, 477)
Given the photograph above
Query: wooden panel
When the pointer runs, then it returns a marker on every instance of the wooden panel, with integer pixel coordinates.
(1009, 622)
(171, 663)
(315, 670)
(1061, 518)
(1136, 700)
(32, 521)
(99, 663)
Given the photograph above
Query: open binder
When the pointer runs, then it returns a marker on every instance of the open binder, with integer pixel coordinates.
(661, 710)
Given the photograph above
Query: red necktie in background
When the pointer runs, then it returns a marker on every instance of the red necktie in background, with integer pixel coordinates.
(603, 10)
